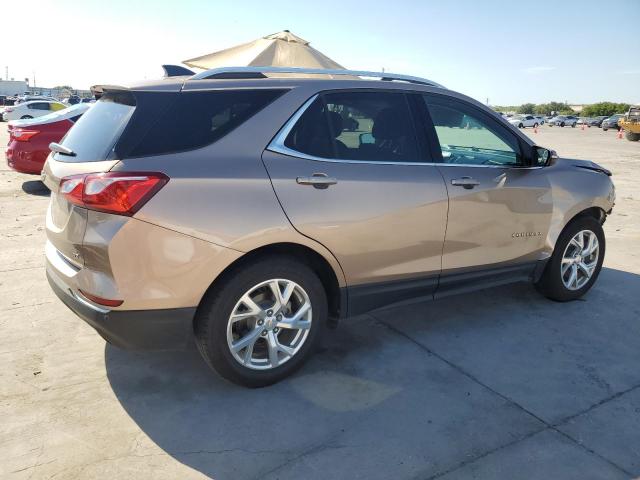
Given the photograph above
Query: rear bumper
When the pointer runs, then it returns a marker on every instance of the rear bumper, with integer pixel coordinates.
(25, 158)
(168, 329)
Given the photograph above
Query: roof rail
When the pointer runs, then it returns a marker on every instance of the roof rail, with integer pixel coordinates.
(258, 72)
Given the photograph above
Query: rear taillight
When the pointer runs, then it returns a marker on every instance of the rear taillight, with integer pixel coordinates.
(8, 110)
(22, 135)
(120, 193)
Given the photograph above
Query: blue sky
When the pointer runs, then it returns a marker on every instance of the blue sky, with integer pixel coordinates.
(508, 51)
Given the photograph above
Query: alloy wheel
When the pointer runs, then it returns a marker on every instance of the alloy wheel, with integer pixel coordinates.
(269, 324)
(580, 260)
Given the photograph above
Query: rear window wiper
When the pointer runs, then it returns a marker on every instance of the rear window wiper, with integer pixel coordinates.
(61, 149)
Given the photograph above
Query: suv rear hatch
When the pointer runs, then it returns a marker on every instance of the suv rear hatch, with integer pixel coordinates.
(91, 141)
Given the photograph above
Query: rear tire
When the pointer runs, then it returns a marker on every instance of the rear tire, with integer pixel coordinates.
(535, 125)
(557, 273)
(573, 125)
(216, 331)
(632, 137)
(562, 124)
(520, 126)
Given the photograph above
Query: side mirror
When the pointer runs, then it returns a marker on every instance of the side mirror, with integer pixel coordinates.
(367, 139)
(543, 157)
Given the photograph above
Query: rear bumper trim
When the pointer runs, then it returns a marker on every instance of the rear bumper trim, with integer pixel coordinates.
(167, 329)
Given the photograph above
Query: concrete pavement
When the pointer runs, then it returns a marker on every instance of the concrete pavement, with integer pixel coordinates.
(497, 384)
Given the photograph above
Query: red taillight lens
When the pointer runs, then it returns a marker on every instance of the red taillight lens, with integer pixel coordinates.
(120, 193)
(102, 301)
(22, 135)
(8, 110)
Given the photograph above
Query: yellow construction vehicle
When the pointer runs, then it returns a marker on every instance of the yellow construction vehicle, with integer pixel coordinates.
(631, 124)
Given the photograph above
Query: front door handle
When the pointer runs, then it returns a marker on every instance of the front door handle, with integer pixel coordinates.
(318, 180)
(466, 182)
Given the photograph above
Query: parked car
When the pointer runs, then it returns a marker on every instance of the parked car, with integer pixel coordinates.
(29, 139)
(611, 122)
(34, 109)
(583, 121)
(596, 121)
(523, 121)
(31, 98)
(541, 119)
(562, 120)
(242, 213)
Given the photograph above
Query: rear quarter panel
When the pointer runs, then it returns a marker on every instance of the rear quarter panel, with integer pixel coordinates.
(222, 193)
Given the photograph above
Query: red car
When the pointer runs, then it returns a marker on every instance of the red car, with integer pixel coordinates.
(29, 139)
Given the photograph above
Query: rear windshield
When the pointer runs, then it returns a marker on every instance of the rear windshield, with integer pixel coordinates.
(138, 124)
(93, 136)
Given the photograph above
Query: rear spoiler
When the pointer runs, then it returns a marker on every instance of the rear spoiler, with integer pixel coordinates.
(98, 90)
(176, 71)
(171, 85)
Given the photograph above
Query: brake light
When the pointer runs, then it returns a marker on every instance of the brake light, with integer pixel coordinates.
(8, 110)
(120, 193)
(22, 135)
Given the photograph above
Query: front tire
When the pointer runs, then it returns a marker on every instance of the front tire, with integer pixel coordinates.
(263, 321)
(535, 125)
(562, 124)
(520, 126)
(576, 261)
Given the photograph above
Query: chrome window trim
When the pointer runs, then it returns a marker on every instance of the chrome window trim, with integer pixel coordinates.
(277, 146)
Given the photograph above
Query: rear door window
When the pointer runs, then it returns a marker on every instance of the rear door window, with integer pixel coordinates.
(365, 126)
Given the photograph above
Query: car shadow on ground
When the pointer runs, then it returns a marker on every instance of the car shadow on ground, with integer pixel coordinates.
(35, 187)
(413, 390)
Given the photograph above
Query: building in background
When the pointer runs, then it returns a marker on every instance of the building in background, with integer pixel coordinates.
(11, 88)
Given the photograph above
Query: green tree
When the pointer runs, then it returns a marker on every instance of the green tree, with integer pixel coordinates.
(62, 87)
(604, 109)
(557, 107)
(527, 108)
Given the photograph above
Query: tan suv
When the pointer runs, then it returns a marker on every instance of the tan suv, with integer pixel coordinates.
(251, 208)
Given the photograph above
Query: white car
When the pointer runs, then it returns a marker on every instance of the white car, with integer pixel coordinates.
(34, 109)
(523, 121)
(562, 120)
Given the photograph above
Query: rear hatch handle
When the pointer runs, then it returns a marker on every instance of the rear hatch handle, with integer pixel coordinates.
(61, 149)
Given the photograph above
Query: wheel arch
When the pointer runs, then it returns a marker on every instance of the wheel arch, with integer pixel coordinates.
(331, 280)
(596, 212)
(592, 211)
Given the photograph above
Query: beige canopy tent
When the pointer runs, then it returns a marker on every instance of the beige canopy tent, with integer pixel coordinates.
(282, 49)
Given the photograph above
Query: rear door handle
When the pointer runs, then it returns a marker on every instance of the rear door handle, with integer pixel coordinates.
(466, 182)
(318, 180)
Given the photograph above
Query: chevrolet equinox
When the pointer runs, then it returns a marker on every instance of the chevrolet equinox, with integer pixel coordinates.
(251, 208)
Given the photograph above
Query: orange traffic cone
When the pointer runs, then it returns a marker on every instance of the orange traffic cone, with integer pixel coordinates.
(582, 127)
(535, 129)
(620, 132)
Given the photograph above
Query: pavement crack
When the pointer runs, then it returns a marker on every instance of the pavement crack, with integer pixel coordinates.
(548, 426)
